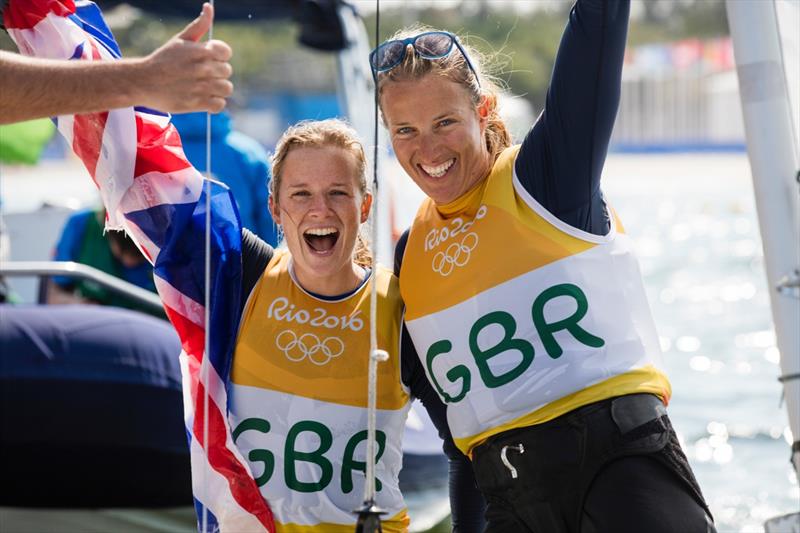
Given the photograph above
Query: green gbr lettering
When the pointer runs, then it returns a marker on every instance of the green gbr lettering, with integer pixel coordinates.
(570, 323)
(291, 456)
(507, 343)
(457, 372)
(264, 456)
(349, 464)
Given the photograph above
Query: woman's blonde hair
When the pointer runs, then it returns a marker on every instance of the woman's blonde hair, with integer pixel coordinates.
(455, 68)
(321, 134)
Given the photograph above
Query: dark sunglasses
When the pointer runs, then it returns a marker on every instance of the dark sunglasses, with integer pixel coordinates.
(428, 45)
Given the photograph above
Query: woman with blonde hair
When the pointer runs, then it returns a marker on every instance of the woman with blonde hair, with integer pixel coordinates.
(299, 372)
(298, 378)
(523, 296)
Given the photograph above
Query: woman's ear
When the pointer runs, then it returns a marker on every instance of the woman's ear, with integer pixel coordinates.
(485, 108)
(366, 205)
(274, 211)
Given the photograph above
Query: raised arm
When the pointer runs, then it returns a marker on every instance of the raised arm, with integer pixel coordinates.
(562, 157)
(183, 75)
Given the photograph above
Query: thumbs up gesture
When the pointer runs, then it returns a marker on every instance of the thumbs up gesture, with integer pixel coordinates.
(188, 75)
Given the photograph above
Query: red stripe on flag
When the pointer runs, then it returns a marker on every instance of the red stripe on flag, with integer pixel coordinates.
(88, 138)
(159, 149)
(88, 131)
(95, 51)
(26, 15)
(147, 254)
(243, 486)
(191, 335)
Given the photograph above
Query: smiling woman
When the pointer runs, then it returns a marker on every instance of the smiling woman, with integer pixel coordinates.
(523, 295)
(445, 129)
(300, 367)
(319, 197)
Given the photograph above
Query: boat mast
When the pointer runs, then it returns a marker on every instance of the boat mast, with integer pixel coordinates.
(771, 147)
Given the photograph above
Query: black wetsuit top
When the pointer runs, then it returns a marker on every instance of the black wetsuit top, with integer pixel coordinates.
(559, 163)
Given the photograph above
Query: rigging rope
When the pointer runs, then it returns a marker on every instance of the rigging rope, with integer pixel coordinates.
(369, 516)
(375, 354)
(204, 363)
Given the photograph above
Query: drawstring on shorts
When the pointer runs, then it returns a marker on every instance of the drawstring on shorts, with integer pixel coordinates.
(519, 448)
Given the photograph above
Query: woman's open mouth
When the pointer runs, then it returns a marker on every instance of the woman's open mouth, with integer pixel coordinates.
(321, 240)
(439, 170)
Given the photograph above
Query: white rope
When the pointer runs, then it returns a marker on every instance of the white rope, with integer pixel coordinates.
(204, 364)
(375, 355)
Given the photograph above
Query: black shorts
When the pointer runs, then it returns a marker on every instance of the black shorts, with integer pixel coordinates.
(611, 466)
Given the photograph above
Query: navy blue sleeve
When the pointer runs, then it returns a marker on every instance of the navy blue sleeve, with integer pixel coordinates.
(467, 504)
(256, 255)
(466, 501)
(399, 250)
(562, 157)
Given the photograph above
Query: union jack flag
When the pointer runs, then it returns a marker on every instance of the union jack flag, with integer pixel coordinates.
(135, 158)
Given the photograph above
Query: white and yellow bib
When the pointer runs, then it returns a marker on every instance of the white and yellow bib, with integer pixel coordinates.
(519, 318)
(299, 400)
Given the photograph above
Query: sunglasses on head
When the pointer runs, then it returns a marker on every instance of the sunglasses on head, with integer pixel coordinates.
(428, 45)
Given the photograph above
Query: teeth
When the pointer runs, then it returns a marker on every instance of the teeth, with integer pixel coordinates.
(321, 232)
(438, 171)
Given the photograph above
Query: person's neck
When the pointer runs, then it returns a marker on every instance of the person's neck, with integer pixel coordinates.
(342, 282)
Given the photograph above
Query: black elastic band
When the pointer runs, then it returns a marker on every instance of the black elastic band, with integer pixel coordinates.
(788, 377)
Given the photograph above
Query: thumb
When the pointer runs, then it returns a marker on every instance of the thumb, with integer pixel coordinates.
(199, 26)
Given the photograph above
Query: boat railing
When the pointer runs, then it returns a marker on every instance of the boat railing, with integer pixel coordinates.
(44, 270)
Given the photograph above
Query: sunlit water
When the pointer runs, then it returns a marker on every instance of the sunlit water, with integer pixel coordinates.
(694, 222)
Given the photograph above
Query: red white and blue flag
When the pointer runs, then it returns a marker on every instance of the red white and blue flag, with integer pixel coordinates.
(135, 158)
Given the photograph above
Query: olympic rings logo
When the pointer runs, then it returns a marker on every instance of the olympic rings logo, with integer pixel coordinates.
(319, 352)
(456, 255)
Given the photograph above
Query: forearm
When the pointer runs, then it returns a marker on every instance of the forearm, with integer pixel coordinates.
(585, 87)
(33, 87)
(182, 75)
(467, 504)
(147, 186)
(562, 158)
